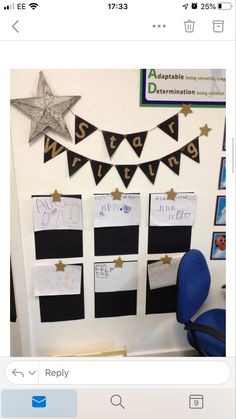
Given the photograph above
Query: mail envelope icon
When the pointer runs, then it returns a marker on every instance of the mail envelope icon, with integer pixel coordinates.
(39, 401)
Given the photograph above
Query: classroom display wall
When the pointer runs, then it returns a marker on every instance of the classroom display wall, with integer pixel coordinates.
(109, 100)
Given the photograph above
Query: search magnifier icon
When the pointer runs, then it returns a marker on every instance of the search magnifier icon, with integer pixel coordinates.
(116, 400)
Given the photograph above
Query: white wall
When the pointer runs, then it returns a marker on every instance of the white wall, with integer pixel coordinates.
(110, 100)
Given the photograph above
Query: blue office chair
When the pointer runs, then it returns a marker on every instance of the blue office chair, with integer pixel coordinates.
(207, 332)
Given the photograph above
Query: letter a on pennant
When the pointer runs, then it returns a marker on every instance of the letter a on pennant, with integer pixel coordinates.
(137, 141)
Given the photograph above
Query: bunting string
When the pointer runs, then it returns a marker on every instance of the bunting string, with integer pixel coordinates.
(84, 129)
(75, 161)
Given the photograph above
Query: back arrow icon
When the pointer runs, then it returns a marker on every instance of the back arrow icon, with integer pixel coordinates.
(13, 26)
(15, 372)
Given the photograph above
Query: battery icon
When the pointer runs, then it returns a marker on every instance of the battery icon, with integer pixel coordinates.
(226, 5)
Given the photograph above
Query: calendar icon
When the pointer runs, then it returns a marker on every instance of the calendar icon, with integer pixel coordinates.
(196, 401)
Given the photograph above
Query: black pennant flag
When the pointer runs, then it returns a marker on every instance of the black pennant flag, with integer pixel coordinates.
(82, 129)
(171, 127)
(126, 172)
(137, 141)
(112, 141)
(99, 169)
(150, 169)
(173, 161)
(191, 150)
(51, 148)
(75, 161)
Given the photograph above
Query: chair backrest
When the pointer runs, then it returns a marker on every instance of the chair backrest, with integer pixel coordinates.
(193, 283)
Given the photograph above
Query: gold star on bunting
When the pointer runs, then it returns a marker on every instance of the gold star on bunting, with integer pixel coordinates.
(166, 260)
(119, 262)
(171, 194)
(186, 109)
(56, 197)
(116, 194)
(205, 130)
(60, 266)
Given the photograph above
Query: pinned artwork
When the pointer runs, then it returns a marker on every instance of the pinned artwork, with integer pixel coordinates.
(60, 308)
(218, 247)
(169, 212)
(170, 222)
(115, 288)
(163, 274)
(51, 214)
(57, 226)
(51, 281)
(161, 290)
(112, 213)
(222, 178)
(220, 213)
(116, 224)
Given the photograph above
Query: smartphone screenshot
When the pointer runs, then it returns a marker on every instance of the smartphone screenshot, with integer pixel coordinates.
(118, 164)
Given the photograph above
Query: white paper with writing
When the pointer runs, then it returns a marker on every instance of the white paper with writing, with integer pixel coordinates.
(163, 275)
(111, 213)
(180, 212)
(65, 214)
(108, 278)
(49, 281)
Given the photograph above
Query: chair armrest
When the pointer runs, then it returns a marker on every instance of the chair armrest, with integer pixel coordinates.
(197, 327)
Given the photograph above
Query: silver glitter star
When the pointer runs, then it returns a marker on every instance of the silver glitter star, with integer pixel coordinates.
(46, 110)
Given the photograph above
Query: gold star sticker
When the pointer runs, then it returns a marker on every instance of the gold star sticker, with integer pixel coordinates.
(205, 130)
(166, 260)
(60, 266)
(119, 262)
(171, 194)
(116, 194)
(56, 197)
(186, 109)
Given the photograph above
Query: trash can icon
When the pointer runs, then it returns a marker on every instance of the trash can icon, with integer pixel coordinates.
(218, 25)
(189, 25)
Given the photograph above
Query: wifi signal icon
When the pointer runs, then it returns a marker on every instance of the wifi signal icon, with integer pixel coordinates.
(33, 5)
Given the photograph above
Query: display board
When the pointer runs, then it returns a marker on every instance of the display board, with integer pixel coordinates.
(112, 147)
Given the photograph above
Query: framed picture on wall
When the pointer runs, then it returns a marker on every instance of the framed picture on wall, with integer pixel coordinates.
(220, 212)
(218, 246)
(222, 178)
(224, 138)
